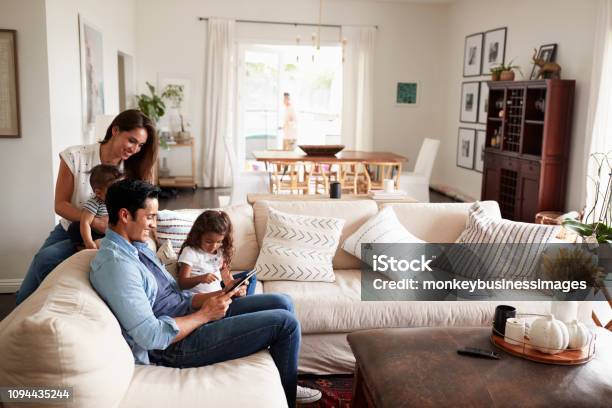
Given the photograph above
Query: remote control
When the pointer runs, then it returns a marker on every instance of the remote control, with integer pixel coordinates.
(476, 352)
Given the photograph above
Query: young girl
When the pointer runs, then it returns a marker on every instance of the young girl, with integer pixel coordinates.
(206, 256)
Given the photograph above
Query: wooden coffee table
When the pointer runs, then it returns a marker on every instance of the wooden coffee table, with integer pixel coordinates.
(420, 367)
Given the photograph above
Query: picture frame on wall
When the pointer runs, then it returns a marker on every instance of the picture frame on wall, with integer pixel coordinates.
(479, 146)
(465, 148)
(472, 55)
(483, 102)
(548, 53)
(92, 76)
(10, 126)
(407, 94)
(469, 102)
(173, 115)
(494, 49)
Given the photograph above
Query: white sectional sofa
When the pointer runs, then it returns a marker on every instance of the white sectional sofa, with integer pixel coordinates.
(64, 334)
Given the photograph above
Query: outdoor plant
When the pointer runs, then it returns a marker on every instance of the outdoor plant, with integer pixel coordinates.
(596, 224)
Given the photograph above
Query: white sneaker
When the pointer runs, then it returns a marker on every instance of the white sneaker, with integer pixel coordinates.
(307, 395)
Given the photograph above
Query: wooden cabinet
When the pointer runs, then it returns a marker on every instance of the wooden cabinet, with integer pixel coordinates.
(527, 146)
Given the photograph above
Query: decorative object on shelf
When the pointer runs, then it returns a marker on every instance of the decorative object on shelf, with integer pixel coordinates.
(465, 148)
(494, 49)
(407, 94)
(483, 102)
(596, 225)
(479, 147)
(472, 55)
(164, 171)
(92, 76)
(548, 335)
(515, 331)
(177, 91)
(579, 334)
(544, 59)
(469, 102)
(321, 150)
(505, 72)
(9, 86)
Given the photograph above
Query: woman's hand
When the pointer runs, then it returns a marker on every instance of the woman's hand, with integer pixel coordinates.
(208, 278)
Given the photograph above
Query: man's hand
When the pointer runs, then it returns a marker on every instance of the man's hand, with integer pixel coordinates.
(99, 224)
(216, 306)
(208, 278)
(239, 292)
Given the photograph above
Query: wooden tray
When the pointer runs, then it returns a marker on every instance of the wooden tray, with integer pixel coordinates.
(321, 150)
(567, 357)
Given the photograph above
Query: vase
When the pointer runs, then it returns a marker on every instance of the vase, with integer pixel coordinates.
(566, 310)
(495, 76)
(507, 75)
(164, 171)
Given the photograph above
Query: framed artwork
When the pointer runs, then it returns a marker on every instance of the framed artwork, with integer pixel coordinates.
(472, 55)
(483, 102)
(548, 53)
(9, 89)
(184, 109)
(465, 148)
(469, 102)
(407, 94)
(494, 49)
(92, 75)
(479, 152)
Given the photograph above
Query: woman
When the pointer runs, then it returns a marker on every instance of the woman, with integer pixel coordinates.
(130, 143)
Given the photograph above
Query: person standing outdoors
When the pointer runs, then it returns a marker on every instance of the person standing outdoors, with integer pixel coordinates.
(289, 124)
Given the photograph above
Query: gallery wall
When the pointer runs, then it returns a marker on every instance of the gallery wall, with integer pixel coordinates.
(568, 23)
(411, 46)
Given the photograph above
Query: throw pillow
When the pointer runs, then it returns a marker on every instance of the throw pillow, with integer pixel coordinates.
(298, 248)
(383, 228)
(168, 257)
(497, 248)
(174, 227)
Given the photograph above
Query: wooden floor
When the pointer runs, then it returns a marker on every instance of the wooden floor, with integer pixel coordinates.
(185, 198)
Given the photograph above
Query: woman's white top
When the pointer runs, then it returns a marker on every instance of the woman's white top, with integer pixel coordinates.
(80, 160)
(202, 262)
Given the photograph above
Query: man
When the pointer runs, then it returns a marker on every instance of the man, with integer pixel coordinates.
(166, 326)
(289, 124)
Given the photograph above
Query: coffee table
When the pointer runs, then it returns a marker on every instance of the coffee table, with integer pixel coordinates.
(420, 367)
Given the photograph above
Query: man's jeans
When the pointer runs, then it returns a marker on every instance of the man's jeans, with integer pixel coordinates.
(56, 249)
(251, 324)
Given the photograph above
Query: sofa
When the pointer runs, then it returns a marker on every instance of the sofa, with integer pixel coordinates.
(64, 334)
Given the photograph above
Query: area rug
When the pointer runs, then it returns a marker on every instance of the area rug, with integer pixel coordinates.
(337, 390)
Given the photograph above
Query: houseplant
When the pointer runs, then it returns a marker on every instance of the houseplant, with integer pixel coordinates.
(504, 72)
(175, 94)
(154, 107)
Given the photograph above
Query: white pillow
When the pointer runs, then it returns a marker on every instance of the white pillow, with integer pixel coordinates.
(168, 257)
(298, 248)
(383, 228)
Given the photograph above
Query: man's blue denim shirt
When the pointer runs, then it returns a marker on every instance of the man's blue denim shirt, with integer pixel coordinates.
(129, 289)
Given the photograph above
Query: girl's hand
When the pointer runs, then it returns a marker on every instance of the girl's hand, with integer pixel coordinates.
(208, 278)
(241, 291)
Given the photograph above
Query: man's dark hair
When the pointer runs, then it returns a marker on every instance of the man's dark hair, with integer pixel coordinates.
(286, 95)
(103, 175)
(129, 194)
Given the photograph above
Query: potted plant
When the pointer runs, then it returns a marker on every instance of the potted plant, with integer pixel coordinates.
(175, 94)
(504, 72)
(153, 106)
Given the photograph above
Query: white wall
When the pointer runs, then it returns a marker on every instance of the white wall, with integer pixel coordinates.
(412, 45)
(569, 23)
(115, 20)
(26, 178)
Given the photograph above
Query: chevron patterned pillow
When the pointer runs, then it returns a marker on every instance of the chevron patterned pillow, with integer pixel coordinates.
(298, 247)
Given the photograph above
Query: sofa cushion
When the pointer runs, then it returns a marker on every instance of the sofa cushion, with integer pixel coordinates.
(236, 383)
(298, 247)
(354, 213)
(65, 335)
(336, 307)
(439, 222)
(175, 225)
(383, 228)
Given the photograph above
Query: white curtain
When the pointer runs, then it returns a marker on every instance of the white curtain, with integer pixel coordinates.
(358, 93)
(599, 120)
(218, 86)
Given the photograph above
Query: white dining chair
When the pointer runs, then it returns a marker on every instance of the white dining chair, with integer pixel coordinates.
(416, 183)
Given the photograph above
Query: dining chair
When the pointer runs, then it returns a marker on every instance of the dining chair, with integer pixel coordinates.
(380, 171)
(289, 177)
(354, 177)
(416, 183)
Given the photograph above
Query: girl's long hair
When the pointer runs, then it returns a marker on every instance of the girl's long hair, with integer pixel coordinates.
(217, 222)
(140, 165)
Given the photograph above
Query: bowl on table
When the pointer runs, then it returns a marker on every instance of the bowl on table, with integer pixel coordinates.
(321, 150)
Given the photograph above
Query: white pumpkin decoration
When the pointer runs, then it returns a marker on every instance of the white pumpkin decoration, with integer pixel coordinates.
(578, 334)
(549, 335)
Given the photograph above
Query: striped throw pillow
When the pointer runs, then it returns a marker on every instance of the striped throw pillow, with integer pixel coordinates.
(298, 248)
(173, 226)
(491, 248)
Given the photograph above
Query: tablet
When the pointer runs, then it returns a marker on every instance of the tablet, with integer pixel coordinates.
(239, 282)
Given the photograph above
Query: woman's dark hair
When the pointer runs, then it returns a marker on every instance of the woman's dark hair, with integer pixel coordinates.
(140, 165)
(129, 194)
(217, 222)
